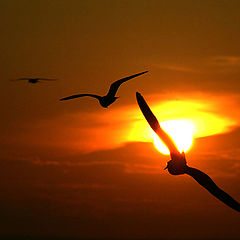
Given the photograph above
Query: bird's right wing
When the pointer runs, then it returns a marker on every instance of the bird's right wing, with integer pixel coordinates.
(80, 95)
(114, 87)
(205, 181)
(48, 79)
(153, 122)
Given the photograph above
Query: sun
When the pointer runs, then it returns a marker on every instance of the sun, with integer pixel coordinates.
(181, 131)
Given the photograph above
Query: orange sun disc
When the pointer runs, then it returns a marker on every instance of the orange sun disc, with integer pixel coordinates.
(181, 131)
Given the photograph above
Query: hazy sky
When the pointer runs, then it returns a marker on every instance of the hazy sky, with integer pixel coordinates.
(74, 169)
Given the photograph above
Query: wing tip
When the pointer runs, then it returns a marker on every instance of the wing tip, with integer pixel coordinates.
(139, 96)
(143, 72)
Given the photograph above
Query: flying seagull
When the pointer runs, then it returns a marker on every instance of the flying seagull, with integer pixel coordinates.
(177, 165)
(108, 99)
(34, 80)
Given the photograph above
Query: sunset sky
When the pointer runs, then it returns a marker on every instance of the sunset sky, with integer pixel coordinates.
(73, 169)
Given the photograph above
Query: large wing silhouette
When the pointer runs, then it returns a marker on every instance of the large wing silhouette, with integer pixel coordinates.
(114, 87)
(153, 122)
(205, 181)
(81, 95)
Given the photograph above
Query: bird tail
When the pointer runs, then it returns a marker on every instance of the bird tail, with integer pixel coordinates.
(205, 181)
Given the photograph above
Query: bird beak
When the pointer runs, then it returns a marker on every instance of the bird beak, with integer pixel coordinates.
(166, 168)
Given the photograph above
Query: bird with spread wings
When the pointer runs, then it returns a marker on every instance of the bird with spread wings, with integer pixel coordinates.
(34, 80)
(177, 165)
(110, 97)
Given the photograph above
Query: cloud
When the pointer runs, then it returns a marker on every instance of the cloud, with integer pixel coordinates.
(124, 188)
(78, 186)
(225, 61)
(87, 132)
(212, 65)
(176, 68)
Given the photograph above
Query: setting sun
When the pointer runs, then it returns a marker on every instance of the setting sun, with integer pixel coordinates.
(184, 120)
(181, 131)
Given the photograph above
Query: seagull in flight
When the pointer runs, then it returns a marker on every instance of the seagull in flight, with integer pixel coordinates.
(108, 99)
(177, 165)
(34, 80)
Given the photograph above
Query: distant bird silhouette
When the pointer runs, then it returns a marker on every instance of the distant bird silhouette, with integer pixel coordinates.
(34, 80)
(108, 99)
(177, 165)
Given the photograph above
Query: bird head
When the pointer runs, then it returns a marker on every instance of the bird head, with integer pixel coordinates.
(114, 99)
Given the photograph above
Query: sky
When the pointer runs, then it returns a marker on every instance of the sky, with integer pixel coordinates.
(73, 169)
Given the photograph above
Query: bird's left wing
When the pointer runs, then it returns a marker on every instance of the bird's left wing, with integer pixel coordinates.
(80, 95)
(114, 87)
(205, 181)
(19, 79)
(153, 122)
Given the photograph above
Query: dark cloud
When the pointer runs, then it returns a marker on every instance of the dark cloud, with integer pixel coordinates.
(120, 193)
(226, 61)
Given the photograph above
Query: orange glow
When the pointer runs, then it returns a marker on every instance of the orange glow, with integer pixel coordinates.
(105, 129)
(181, 131)
(184, 121)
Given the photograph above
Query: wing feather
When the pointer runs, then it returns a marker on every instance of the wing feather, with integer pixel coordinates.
(205, 181)
(48, 79)
(114, 87)
(80, 95)
(153, 122)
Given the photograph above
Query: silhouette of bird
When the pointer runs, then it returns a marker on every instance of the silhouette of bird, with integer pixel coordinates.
(108, 99)
(177, 165)
(34, 80)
